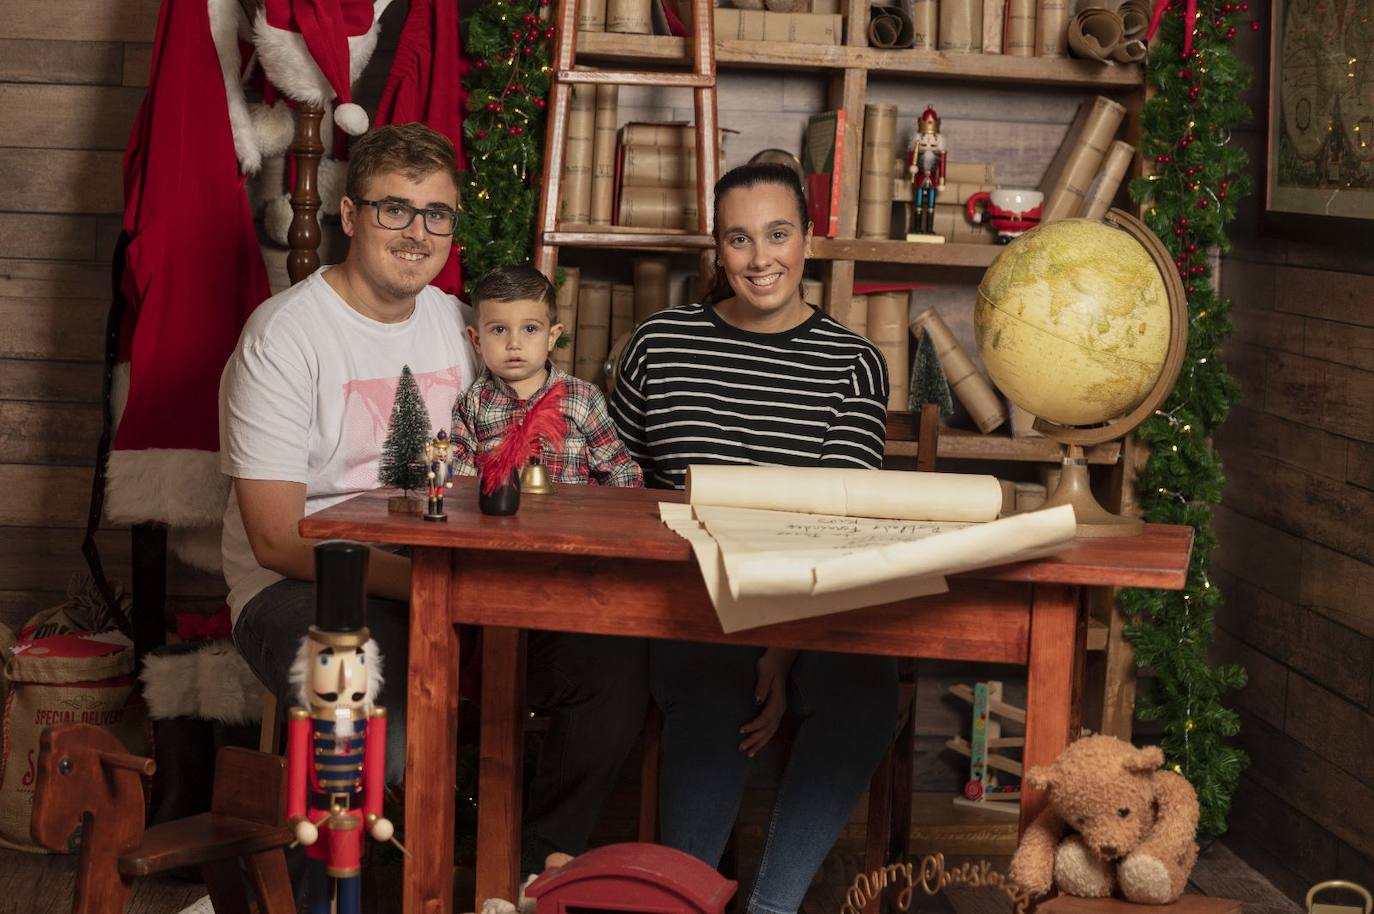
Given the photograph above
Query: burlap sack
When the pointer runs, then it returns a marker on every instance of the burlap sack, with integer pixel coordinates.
(71, 678)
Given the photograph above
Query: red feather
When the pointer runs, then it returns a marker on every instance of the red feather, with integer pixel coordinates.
(521, 441)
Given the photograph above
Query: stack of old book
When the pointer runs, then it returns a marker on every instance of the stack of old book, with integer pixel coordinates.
(656, 176)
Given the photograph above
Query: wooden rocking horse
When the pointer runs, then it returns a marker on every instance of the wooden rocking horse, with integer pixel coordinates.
(87, 779)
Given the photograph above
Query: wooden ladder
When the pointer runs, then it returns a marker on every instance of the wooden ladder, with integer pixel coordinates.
(702, 80)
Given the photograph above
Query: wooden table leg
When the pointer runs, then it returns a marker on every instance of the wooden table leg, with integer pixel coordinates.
(431, 736)
(1049, 684)
(501, 755)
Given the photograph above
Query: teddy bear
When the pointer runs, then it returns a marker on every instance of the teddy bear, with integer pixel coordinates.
(1115, 820)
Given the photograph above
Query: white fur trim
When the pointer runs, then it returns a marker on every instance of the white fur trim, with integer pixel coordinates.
(227, 22)
(180, 487)
(332, 177)
(351, 118)
(371, 651)
(212, 682)
(276, 219)
(275, 127)
(288, 64)
(201, 548)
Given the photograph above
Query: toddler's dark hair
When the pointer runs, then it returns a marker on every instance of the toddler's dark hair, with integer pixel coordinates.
(515, 283)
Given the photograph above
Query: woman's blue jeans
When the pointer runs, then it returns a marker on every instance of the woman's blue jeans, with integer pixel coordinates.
(845, 706)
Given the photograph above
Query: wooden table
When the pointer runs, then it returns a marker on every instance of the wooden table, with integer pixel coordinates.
(591, 559)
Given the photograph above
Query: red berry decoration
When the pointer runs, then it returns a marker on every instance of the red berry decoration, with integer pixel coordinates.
(1178, 232)
(1185, 74)
(539, 103)
(1193, 92)
(1231, 32)
(1221, 195)
(548, 32)
(1192, 290)
(481, 134)
(1162, 160)
(1183, 221)
(1192, 247)
(1203, 203)
(526, 50)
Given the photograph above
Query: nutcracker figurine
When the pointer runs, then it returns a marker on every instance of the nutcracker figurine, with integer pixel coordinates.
(336, 738)
(439, 472)
(927, 170)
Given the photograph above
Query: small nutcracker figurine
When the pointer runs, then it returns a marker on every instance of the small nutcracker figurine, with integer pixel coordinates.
(927, 170)
(439, 472)
(336, 737)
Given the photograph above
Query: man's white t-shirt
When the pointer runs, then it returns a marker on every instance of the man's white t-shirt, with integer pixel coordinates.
(307, 394)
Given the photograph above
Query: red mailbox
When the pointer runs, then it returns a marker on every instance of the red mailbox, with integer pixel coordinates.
(632, 879)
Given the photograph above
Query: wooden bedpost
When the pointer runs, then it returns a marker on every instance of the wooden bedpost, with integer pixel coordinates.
(304, 235)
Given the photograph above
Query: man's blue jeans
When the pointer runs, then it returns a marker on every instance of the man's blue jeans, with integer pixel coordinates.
(846, 709)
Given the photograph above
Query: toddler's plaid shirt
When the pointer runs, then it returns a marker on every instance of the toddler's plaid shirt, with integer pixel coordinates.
(591, 453)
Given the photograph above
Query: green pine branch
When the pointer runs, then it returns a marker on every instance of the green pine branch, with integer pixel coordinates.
(1189, 200)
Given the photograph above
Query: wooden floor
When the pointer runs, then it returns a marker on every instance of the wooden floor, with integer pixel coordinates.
(32, 884)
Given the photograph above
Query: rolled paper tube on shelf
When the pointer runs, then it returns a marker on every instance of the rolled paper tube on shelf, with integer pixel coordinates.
(565, 301)
(1135, 19)
(603, 154)
(1104, 187)
(1080, 158)
(631, 16)
(925, 19)
(961, 26)
(812, 291)
(577, 156)
(889, 27)
(875, 178)
(1095, 33)
(1019, 34)
(651, 286)
(853, 315)
(1131, 50)
(593, 339)
(661, 166)
(658, 207)
(591, 16)
(973, 390)
(888, 314)
(622, 310)
(994, 20)
(1052, 28)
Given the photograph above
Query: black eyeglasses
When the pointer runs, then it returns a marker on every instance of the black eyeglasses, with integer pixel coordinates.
(397, 216)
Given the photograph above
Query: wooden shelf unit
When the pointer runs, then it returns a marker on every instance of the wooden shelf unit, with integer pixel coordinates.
(846, 68)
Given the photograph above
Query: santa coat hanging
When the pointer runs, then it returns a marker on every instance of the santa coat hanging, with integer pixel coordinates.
(425, 84)
(191, 272)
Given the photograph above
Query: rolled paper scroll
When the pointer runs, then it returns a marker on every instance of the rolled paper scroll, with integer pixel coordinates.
(622, 310)
(1135, 19)
(1104, 187)
(577, 156)
(889, 26)
(603, 154)
(875, 178)
(888, 314)
(1019, 33)
(1095, 33)
(593, 339)
(658, 207)
(961, 26)
(994, 20)
(1052, 28)
(925, 19)
(630, 16)
(565, 301)
(591, 16)
(973, 390)
(651, 286)
(1080, 157)
(1131, 50)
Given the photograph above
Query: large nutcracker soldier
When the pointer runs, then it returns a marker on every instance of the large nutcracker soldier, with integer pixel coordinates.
(927, 171)
(336, 738)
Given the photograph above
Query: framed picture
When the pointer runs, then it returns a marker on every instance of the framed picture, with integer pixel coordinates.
(1319, 170)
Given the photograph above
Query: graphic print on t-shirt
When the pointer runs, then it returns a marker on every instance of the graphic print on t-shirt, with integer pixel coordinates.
(367, 410)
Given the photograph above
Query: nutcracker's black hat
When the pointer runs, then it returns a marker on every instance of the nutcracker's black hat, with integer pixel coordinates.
(341, 587)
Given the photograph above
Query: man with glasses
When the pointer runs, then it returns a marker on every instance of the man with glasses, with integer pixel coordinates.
(305, 402)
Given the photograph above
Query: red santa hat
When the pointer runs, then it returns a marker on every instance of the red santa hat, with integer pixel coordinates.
(313, 50)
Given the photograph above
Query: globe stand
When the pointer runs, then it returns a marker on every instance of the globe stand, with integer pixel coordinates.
(1073, 490)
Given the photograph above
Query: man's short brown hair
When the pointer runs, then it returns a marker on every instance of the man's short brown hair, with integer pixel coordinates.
(518, 283)
(414, 150)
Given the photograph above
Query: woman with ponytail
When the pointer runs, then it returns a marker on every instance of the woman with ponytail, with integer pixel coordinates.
(754, 375)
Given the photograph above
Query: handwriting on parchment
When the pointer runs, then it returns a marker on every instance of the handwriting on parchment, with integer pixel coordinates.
(859, 532)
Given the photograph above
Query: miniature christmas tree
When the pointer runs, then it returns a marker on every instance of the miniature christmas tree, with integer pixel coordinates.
(928, 384)
(403, 453)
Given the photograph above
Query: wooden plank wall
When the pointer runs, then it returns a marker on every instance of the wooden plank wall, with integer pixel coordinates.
(1296, 559)
(71, 78)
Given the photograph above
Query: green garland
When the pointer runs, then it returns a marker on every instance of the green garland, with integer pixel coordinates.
(508, 42)
(1188, 201)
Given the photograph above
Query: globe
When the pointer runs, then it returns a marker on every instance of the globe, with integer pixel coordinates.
(1084, 324)
(1073, 322)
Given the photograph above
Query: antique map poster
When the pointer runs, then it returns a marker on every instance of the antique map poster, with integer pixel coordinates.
(762, 565)
(1321, 117)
